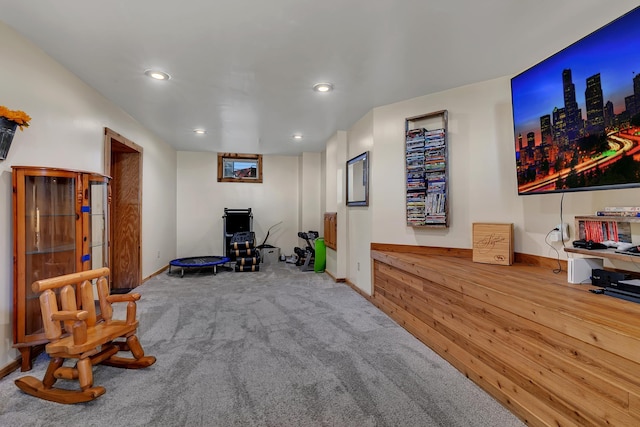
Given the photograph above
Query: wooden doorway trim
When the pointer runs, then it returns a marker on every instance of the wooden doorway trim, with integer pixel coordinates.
(123, 162)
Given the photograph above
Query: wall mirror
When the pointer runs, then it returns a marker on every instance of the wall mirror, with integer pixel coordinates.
(358, 180)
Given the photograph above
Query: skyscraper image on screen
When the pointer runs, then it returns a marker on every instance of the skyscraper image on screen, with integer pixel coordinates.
(576, 114)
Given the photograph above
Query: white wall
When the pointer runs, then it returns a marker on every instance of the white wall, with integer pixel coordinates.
(201, 200)
(159, 189)
(67, 131)
(481, 172)
(311, 195)
(481, 164)
(359, 218)
(335, 159)
(482, 181)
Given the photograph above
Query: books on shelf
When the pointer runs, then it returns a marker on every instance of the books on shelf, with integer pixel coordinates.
(426, 182)
(600, 231)
(622, 209)
(618, 213)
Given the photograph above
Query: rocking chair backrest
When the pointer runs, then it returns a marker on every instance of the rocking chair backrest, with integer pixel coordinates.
(68, 303)
(103, 292)
(49, 306)
(88, 302)
(49, 303)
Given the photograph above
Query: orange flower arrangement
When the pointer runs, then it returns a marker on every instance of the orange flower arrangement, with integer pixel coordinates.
(16, 116)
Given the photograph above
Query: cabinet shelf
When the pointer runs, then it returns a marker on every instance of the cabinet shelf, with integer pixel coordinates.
(52, 250)
(601, 228)
(622, 228)
(56, 215)
(608, 218)
(604, 253)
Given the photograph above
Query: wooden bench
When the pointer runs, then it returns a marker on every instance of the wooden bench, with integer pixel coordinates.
(76, 331)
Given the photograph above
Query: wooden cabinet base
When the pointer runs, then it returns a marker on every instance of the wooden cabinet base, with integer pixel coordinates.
(27, 361)
(27, 354)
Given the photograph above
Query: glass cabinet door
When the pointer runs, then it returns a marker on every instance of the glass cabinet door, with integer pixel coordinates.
(94, 216)
(49, 235)
(98, 226)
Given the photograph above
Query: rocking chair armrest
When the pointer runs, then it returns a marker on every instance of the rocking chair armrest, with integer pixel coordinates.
(123, 298)
(70, 315)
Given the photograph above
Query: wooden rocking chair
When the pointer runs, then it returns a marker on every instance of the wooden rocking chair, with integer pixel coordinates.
(79, 334)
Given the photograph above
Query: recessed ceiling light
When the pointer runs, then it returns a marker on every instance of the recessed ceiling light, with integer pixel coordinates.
(158, 75)
(323, 87)
(297, 136)
(200, 131)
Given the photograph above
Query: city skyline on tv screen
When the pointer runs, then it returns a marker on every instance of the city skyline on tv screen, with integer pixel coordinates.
(576, 112)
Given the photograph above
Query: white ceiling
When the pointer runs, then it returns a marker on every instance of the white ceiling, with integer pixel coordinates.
(243, 69)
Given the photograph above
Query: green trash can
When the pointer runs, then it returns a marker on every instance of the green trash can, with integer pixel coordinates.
(321, 256)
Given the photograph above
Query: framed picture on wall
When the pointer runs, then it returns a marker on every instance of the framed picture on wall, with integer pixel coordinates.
(234, 167)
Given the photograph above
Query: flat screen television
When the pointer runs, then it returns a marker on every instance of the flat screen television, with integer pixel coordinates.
(576, 115)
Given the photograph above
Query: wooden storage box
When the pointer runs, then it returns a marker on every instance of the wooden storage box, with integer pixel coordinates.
(493, 243)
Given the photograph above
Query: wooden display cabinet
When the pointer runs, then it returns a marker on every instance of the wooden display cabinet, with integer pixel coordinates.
(60, 222)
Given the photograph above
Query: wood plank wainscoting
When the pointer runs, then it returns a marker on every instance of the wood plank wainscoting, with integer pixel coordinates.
(553, 353)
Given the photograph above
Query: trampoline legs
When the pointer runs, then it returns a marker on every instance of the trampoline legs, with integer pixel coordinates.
(181, 271)
(201, 262)
(215, 271)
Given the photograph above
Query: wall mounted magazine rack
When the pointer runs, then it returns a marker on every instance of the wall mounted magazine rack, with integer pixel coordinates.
(426, 170)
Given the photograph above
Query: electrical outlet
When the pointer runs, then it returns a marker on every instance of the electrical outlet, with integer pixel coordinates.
(564, 228)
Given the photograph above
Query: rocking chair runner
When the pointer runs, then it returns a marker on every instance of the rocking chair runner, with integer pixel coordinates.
(83, 336)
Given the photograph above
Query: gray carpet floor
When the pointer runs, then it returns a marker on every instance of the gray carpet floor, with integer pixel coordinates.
(279, 347)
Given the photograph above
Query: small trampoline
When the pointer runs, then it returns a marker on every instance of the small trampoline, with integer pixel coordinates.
(198, 262)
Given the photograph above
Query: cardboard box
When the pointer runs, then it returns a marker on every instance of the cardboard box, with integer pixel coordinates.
(270, 255)
(493, 243)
